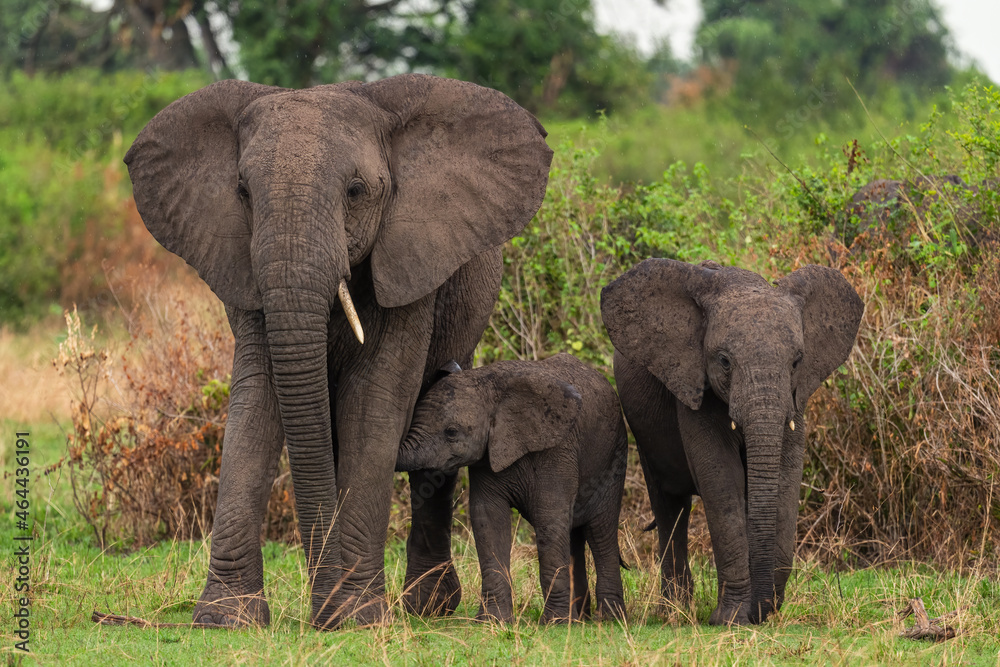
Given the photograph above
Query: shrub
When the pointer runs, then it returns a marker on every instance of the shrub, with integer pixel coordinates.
(148, 424)
(903, 440)
(65, 200)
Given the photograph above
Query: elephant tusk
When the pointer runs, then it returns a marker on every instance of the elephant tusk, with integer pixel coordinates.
(733, 424)
(791, 424)
(352, 315)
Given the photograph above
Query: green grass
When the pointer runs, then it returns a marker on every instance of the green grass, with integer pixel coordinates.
(829, 618)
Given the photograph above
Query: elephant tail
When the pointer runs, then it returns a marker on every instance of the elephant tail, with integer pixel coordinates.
(622, 564)
(621, 561)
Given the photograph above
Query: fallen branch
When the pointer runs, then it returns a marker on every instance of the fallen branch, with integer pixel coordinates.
(925, 627)
(102, 618)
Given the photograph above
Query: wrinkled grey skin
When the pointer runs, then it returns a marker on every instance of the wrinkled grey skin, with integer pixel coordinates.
(546, 438)
(406, 189)
(699, 350)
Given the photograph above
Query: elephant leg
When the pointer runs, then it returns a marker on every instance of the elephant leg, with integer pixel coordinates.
(554, 570)
(431, 585)
(234, 592)
(602, 535)
(652, 415)
(489, 512)
(375, 397)
(578, 567)
(714, 458)
(461, 313)
(671, 514)
(552, 516)
(789, 486)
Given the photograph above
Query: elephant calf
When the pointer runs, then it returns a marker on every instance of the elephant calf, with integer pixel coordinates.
(548, 439)
(715, 365)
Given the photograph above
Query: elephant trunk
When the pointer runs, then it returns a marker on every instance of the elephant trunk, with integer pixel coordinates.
(414, 454)
(763, 430)
(299, 280)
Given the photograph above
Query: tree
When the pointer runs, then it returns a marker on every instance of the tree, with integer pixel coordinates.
(58, 35)
(546, 54)
(784, 51)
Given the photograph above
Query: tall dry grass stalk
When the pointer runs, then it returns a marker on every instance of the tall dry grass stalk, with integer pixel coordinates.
(149, 417)
(903, 443)
(904, 451)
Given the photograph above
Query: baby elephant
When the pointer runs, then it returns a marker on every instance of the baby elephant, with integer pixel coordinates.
(715, 366)
(548, 439)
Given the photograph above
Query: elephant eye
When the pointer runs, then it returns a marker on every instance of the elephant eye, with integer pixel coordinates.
(724, 361)
(451, 432)
(241, 190)
(356, 189)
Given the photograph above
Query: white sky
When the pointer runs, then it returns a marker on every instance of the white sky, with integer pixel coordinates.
(974, 26)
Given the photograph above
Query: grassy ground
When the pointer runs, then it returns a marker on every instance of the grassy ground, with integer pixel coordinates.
(829, 618)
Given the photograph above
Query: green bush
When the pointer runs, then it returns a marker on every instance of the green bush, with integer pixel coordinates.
(65, 200)
(903, 440)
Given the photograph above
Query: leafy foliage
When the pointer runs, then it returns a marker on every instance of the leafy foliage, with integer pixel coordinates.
(903, 440)
(57, 36)
(784, 52)
(65, 201)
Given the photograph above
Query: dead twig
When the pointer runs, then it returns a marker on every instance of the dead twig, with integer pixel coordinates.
(925, 627)
(102, 618)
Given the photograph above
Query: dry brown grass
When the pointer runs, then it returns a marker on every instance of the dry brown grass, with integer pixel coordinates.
(904, 452)
(32, 390)
(903, 441)
(149, 415)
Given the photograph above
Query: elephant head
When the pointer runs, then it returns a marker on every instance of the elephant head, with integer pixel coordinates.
(762, 349)
(500, 410)
(275, 195)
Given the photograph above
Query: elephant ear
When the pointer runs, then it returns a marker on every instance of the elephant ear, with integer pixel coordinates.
(183, 167)
(653, 317)
(536, 411)
(469, 168)
(831, 315)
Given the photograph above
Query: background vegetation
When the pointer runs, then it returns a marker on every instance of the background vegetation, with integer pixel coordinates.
(750, 154)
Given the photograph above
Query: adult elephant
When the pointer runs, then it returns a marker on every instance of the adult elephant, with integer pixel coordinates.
(714, 367)
(399, 192)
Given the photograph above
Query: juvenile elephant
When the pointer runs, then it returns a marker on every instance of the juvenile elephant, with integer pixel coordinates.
(714, 366)
(546, 438)
(393, 197)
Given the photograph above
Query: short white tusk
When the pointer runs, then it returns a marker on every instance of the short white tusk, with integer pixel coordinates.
(791, 424)
(352, 314)
(733, 424)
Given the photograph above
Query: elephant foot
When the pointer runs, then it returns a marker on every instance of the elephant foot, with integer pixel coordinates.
(730, 615)
(678, 591)
(362, 610)
(433, 592)
(556, 618)
(232, 611)
(559, 614)
(761, 611)
(496, 610)
(611, 609)
(494, 614)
